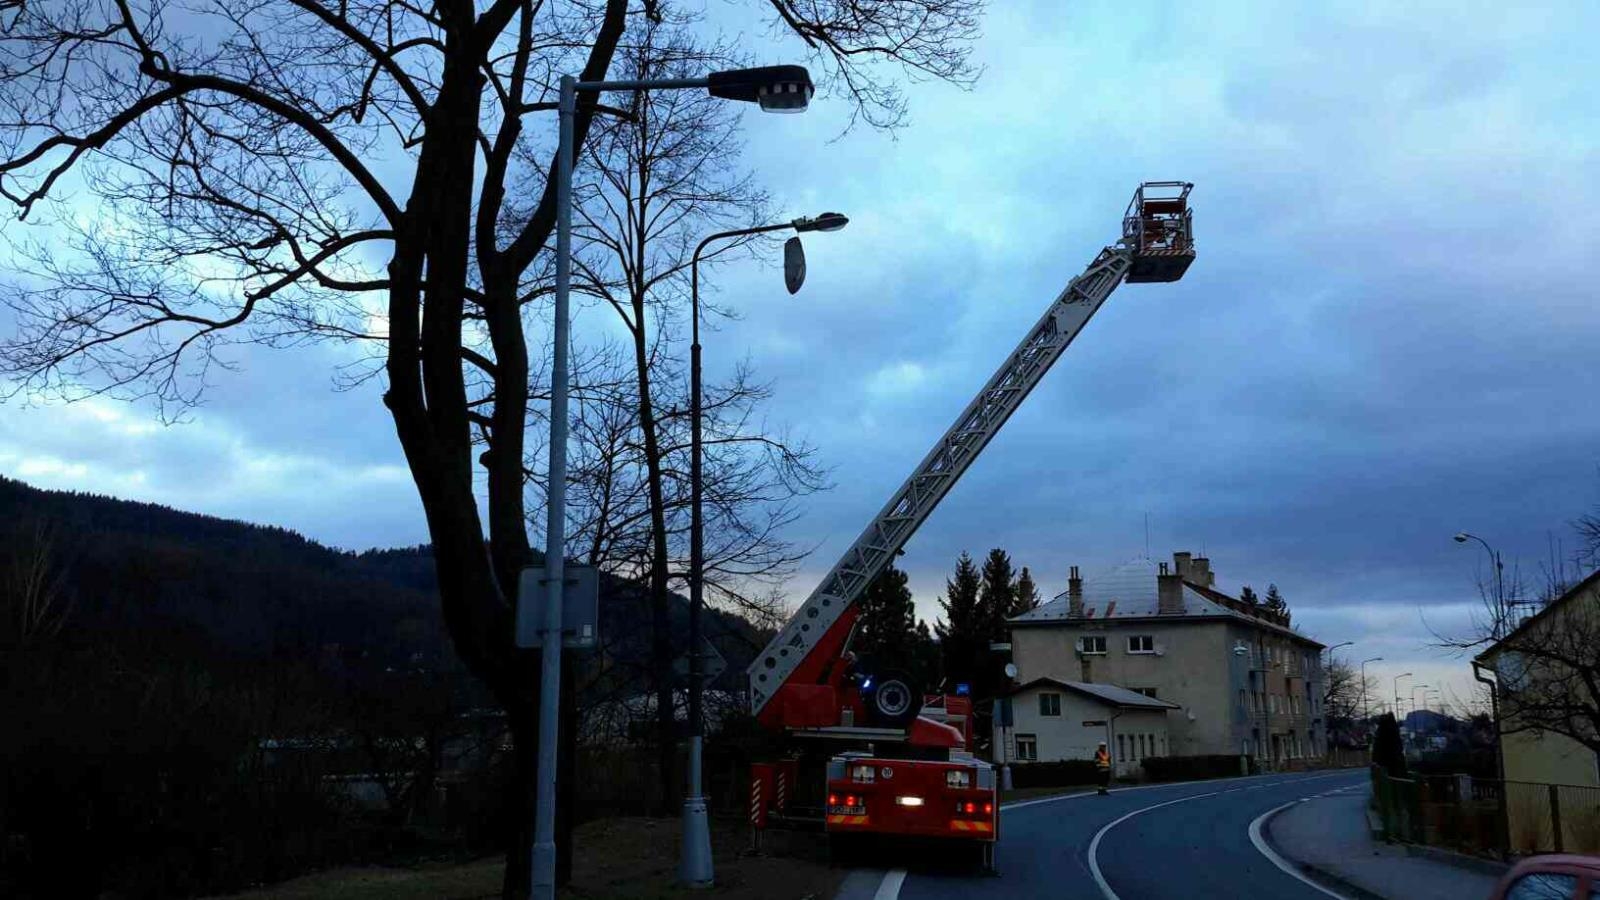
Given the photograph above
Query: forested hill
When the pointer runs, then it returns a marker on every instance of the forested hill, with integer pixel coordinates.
(129, 568)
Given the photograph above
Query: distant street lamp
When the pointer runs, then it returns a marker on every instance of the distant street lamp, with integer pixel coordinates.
(696, 861)
(1366, 711)
(775, 89)
(1397, 678)
(1414, 689)
(1502, 610)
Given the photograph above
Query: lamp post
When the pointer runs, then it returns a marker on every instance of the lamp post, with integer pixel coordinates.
(1414, 689)
(1502, 611)
(695, 863)
(776, 89)
(1366, 712)
(1397, 691)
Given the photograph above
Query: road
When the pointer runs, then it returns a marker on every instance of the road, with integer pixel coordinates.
(1183, 842)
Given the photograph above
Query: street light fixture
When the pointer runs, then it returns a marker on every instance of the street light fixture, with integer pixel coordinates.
(1366, 711)
(1414, 689)
(695, 867)
(775, 89)
(1501, 609)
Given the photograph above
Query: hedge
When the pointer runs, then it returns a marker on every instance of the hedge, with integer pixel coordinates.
(1065, 773)
(1193, 768)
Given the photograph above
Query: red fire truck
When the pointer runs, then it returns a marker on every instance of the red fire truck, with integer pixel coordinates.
(870, 754)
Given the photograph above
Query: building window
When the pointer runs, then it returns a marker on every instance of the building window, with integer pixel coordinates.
(1122, 748)
(1244, 705)
(1142, 752)
(1141, 643)
(1049, 704)
(1093, 643)
(1148, 692)
(1027, 747)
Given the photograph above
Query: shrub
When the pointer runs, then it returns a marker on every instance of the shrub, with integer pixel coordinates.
(1192, 768)
(1063, 773)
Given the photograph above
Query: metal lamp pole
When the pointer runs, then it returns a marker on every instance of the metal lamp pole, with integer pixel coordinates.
(1501, 611)
(695, 865)
(1397, 691)
(1366, 711)
(776, 89)
(1414, 689)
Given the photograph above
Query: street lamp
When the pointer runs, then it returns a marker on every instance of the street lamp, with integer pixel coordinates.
(775, 89)
(1397, 691)
(1366, 712)
(1414, 689)
(1501, 611)
(695, 867)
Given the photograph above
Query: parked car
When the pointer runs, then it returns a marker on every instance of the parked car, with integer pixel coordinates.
(1555, 877)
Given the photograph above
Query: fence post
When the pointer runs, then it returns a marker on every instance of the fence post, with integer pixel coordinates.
(1555, 814)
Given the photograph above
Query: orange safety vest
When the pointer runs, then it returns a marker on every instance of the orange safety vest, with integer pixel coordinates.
(1102, 759)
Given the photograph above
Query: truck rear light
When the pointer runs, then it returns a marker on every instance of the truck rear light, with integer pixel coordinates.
(988, 809)
(850, 800)
(971, 808)
(833, 799)
(908, 801)
(957, 778)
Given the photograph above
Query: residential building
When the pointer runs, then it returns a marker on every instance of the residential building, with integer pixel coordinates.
(1053, 720)
(1540, 667)
(1243, 680)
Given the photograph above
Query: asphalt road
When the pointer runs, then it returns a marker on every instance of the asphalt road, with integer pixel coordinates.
(1183, 842)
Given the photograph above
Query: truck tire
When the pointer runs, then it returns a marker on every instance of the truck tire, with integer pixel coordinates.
(891, 699)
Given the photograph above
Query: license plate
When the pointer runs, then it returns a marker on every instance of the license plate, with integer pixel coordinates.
(847, 810)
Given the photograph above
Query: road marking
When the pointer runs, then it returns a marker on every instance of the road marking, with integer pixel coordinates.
(890, 888)
(1094, 845)
(1272, 855)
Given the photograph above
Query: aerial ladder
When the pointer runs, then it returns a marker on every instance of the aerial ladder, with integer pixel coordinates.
(915, 775)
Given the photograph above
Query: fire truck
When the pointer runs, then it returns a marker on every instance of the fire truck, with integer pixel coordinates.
(870, 754)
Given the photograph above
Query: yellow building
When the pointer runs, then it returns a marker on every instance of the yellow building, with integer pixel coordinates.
(1544, 669)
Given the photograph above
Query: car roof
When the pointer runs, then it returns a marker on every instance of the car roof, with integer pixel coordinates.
(1557, 862)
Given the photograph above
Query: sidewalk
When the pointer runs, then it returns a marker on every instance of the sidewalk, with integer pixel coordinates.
(1328, 836)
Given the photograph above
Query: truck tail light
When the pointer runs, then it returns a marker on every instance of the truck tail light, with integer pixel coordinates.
(833, 799)
(850, 800)
(988, 809)
(971, 808)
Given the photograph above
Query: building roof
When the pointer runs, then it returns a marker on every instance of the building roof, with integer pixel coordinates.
(1580, 588)
(1107, 694)
(1129, 593)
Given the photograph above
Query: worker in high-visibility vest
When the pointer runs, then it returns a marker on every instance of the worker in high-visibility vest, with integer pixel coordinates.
(1102, 763)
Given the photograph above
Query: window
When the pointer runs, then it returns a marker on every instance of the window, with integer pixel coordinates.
(1243, 704)
(1543, 886)
(1122, 747)
(1148, 692)
(1141, 643)
(1142, 752)
(1049, 704)
(1093, 643)
(1027, 747)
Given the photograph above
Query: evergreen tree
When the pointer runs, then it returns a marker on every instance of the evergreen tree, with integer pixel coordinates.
(964, 627)
(1275, 603)
(1247, 594)
(996, 595)
(1025, 596)
(888, 620)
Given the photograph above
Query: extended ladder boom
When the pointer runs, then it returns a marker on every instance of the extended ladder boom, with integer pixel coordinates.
(1155, 245)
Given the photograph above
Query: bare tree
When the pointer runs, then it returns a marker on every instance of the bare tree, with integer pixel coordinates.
(273, 170)
(1342, 693)
(32, 588)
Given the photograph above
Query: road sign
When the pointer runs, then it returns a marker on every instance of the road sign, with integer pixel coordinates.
(711, 663)
(580, 607)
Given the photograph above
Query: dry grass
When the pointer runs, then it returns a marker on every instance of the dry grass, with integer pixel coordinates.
(632, 858)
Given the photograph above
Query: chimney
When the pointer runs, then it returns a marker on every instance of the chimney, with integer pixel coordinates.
(1074, 594)
(1200, 572)
(1180, 562)
(1169, 592)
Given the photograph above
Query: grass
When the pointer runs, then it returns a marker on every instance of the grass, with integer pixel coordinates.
(616, 859)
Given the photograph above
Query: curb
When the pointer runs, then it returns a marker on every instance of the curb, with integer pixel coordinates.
(1459, 860)
(1317, 873)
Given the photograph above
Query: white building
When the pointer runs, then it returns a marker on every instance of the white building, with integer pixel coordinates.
(1054, 720)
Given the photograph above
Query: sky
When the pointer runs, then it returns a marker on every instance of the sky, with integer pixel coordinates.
(1388, 335)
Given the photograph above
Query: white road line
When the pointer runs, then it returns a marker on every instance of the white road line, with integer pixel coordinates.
(1272, 855)
(1094, 845)
(890, 888)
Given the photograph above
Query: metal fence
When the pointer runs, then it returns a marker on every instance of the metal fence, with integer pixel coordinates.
(1488, 817)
